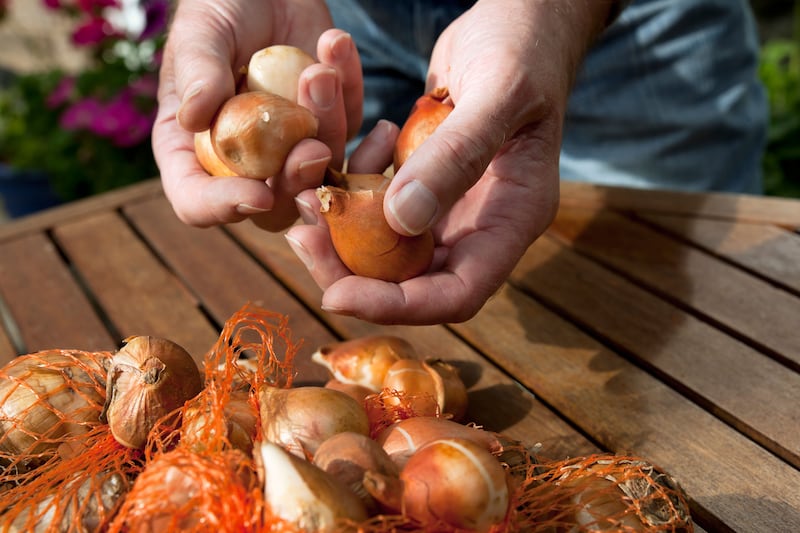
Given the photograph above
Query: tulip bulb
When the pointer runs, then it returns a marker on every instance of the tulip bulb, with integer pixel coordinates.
(254, 132)
(148, 379)
(46, 396)
(237, 423)
(363, 361)
(613, 493)
(365, 242)
(347, 456)
(451, 481)
(207, 157)
(433, 378)
(302, 494)
(403, 439)
(276, 69)
(355, 391)
(428, 112)
(299, 419)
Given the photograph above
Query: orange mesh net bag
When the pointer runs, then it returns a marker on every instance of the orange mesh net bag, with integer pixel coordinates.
(205, 465)
(201, 476)
(601, 492)
(62, 470)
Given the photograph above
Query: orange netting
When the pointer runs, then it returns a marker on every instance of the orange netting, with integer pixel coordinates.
(63, 470)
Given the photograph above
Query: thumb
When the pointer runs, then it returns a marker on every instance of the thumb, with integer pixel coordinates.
(444, 167)
(197, 58)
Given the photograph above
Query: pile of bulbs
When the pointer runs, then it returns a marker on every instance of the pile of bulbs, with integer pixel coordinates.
(140, 440)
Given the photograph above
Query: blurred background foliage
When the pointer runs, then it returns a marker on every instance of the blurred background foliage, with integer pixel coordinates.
(780, 73)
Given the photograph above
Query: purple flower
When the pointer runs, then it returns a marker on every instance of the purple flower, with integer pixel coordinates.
(62, 93)
(118, 120)
(155, 12)
(81, 114)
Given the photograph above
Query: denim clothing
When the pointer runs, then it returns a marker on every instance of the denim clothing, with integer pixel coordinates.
(668, 97)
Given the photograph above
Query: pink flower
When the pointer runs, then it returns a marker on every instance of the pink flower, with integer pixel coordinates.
(52, 4)
(118, 120)
(62, 93)
(80, 114)
(145, 86)
(93, 31)
(94, 6)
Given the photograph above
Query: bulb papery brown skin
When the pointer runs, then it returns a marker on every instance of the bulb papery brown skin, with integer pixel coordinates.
(85, 508)
(603, 496)
(276, 69)
(253, 132)
(238, 423)
(451, 481)
(365, 242)
(434, 378)
(149, 378)
(427, 113)
(299, 419)
(451, 392)
(302, 494)
(49, 394)
(365, 360)
(347, 456)
(207, 157)
(403, 439)
(355, 391)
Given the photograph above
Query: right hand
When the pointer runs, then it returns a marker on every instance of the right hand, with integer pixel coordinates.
(208, 42)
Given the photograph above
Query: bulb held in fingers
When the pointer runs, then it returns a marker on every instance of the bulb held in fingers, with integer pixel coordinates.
(276, 69)
(428, 112)
(365, 242)
(254, 132)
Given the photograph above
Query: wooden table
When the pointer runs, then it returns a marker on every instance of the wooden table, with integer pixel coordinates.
(666, 325)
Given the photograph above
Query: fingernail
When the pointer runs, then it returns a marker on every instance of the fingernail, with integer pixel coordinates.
(337, 310)
(306, 211)
(414, 207)
(342, 47)
(247, 209)
(313, 169)
(322, 88)
(192, 91)
(300, 251)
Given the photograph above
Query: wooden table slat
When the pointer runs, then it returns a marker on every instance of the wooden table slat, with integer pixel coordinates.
(628, 410)
(704, 361)
(138, 294)
(719, 291)
(47, 304)
(222, 274)
(712, 205)
(769, 251)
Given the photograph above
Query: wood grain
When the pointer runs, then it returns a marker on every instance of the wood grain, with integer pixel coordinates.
(45, 301)
(628, 410)
(766, 250)
(137, 294)
(718, 291)
(225, 277)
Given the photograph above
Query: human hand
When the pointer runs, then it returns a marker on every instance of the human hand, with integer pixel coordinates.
(208, 42)
(486, 181)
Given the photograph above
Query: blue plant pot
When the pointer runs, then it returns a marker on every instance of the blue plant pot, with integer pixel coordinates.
(25, 192)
